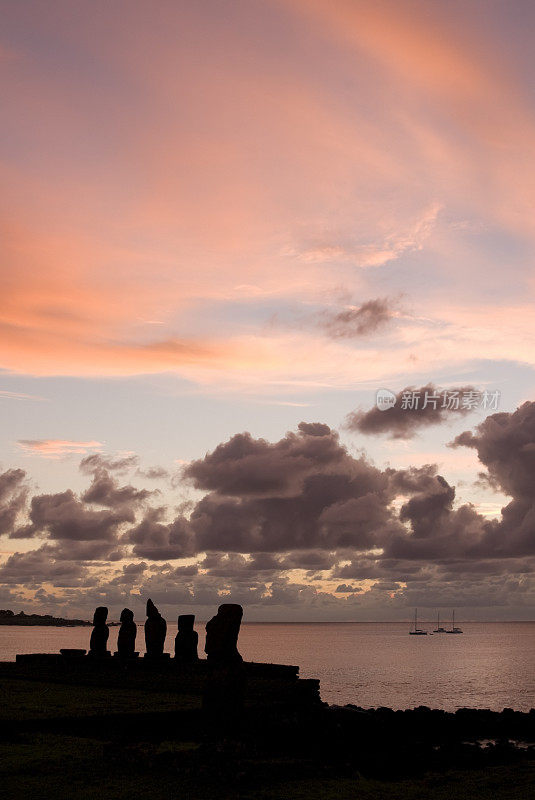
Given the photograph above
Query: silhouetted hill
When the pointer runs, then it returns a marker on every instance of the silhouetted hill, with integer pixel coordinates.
(8, 617)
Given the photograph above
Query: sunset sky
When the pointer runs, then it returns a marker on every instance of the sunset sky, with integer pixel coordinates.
(224, 227)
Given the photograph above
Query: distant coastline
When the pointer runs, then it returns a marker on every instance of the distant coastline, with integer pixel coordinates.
(8, 617)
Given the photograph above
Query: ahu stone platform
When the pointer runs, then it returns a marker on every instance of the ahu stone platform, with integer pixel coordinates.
(262, 684)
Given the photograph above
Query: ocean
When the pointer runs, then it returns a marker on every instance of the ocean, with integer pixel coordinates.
(491, 665)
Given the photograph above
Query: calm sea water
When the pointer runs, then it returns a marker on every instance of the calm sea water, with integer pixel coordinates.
(492, 665)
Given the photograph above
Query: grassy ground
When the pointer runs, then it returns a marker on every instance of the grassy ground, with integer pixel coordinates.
(61, 742)
(40, 767)
(22, 700)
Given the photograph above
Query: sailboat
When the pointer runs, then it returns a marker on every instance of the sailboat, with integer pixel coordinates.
(417, 631)
(438, 629)
(453, 628)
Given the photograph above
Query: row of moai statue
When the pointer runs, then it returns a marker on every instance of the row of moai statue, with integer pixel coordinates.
(221, 635)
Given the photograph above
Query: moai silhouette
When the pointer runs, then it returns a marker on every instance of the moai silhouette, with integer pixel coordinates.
(186, 640)
(100, 633)
(126, 640)
(222, 633)
(223, 696)
(155, 630)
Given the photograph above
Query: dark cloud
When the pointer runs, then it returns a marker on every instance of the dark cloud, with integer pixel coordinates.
(505, 444)
(265, 565)
(302, 493)
(153, 473)
(158, 540)
(64, 516)
(39, 566)
(358, 321)
(426, 510)
(302, 503)
(187, 571)
(366, 567)
(245, 466)
(438, 532)
(316, 560)
(400, 422)
(89, 551)
(130, 574)
(314, 429)
(344, 502)
(105, 491)
(13, 497)
(414, 479)
(97, 461)
(227, 565)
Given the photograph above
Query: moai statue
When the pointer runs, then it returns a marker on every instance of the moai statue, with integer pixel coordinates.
(126, 640)
(186, 640)
(155, 630)
(100, 633)
(222, 635)
(223, 696)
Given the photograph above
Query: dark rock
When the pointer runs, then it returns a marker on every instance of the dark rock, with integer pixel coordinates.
(186, 640)
(126, 640)
(100, 633)
(155, 631)
(223, 698)
(38, 658)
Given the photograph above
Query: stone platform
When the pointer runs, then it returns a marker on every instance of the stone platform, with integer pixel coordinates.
(265, 684)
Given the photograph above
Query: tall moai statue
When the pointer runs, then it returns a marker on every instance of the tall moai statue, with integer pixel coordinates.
(223, 696)
(186, 640)
(222, 635)
(100, 633)
(126, 640)
(155, 630)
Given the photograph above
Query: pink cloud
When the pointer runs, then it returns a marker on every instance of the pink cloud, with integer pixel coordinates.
(56, 448)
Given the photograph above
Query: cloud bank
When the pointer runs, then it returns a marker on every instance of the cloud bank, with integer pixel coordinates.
(299, 524)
